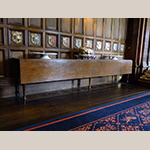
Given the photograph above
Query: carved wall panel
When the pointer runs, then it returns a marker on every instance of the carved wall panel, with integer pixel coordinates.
(116, 28)
(89, 26)
(16, 37)
(107, 46)
(65, 55)
(108, 25)
(35, 39)
(78, 42)
(16, 53)
(35, 22)
(1, 20)
(52, 40)
(65, 42)
(99, 27)
(66, 25)
(123, 28)
(15, 21)
(78, 25)
(2, 58)
(61, 37)
(115, 47)
(122, 48)
(51, 23)
(1, 36)
(89, 43)
(99, 45)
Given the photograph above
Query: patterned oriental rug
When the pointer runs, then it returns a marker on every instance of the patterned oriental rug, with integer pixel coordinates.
(130, 114)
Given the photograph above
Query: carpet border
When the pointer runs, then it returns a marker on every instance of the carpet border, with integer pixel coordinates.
(83, 112)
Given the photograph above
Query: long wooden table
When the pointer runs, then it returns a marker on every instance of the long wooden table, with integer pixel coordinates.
(40, 70)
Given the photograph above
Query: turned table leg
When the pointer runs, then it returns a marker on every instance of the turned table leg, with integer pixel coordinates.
(24, 93)
(128, 78)
(17, 91)
(90, 81)
(78, 85)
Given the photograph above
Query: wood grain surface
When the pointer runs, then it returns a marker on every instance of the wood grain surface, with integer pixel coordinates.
(36, 70)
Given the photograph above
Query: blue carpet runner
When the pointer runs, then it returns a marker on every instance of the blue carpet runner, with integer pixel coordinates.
(130, 114)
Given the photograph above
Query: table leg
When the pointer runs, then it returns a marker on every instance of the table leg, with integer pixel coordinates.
(78, 85)
(24, 93)
(128, 78)
(90, 81)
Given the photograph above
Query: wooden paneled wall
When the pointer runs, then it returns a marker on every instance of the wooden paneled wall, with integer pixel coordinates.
(19, 37)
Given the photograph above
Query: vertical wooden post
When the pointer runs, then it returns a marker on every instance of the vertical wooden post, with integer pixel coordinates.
(79, 81)
(128, 78)
(24, 93)
(115, 78)
(72, 84)
(90, 81)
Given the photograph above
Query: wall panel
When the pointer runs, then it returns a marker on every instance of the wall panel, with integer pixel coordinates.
(51, 23)
(123, 28)
(99, 27)
(1, 36)
(89, 26)
(16, 53)
(116, 28)
(35, 22)
(66, 25)
(15, 21)
(2, 58)
(78, 25)
(60, 37)
(108, 23)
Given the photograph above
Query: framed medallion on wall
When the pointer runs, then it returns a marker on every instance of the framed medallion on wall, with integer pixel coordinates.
(51, 41)
(107, 46)
(115, 47)
(89, 43)
(35, 39)
(99, 45)
(78, 43)
(16, 37)
(65, 42)
(122, 48)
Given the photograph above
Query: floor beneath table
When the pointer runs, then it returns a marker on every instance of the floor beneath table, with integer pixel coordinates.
(45, 106)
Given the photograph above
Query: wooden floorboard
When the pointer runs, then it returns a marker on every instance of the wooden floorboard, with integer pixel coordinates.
(41, 107)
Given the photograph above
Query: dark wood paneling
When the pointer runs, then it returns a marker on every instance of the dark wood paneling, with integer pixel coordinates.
(17, 54)
(89, 26)
(89, 43)
(123, 28)
(108, 25)
(1, 36)
(1, 20)
(35, 22)
(2, 58)
(35, 39)
(74, 28)
(66, 25)
(99, 27)
(78, 25)
(51, 40)
(16, 37)
(65, 55)
(116, 28)
(16, 21)
(76, 44)
(51, 23)
(66, 42)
